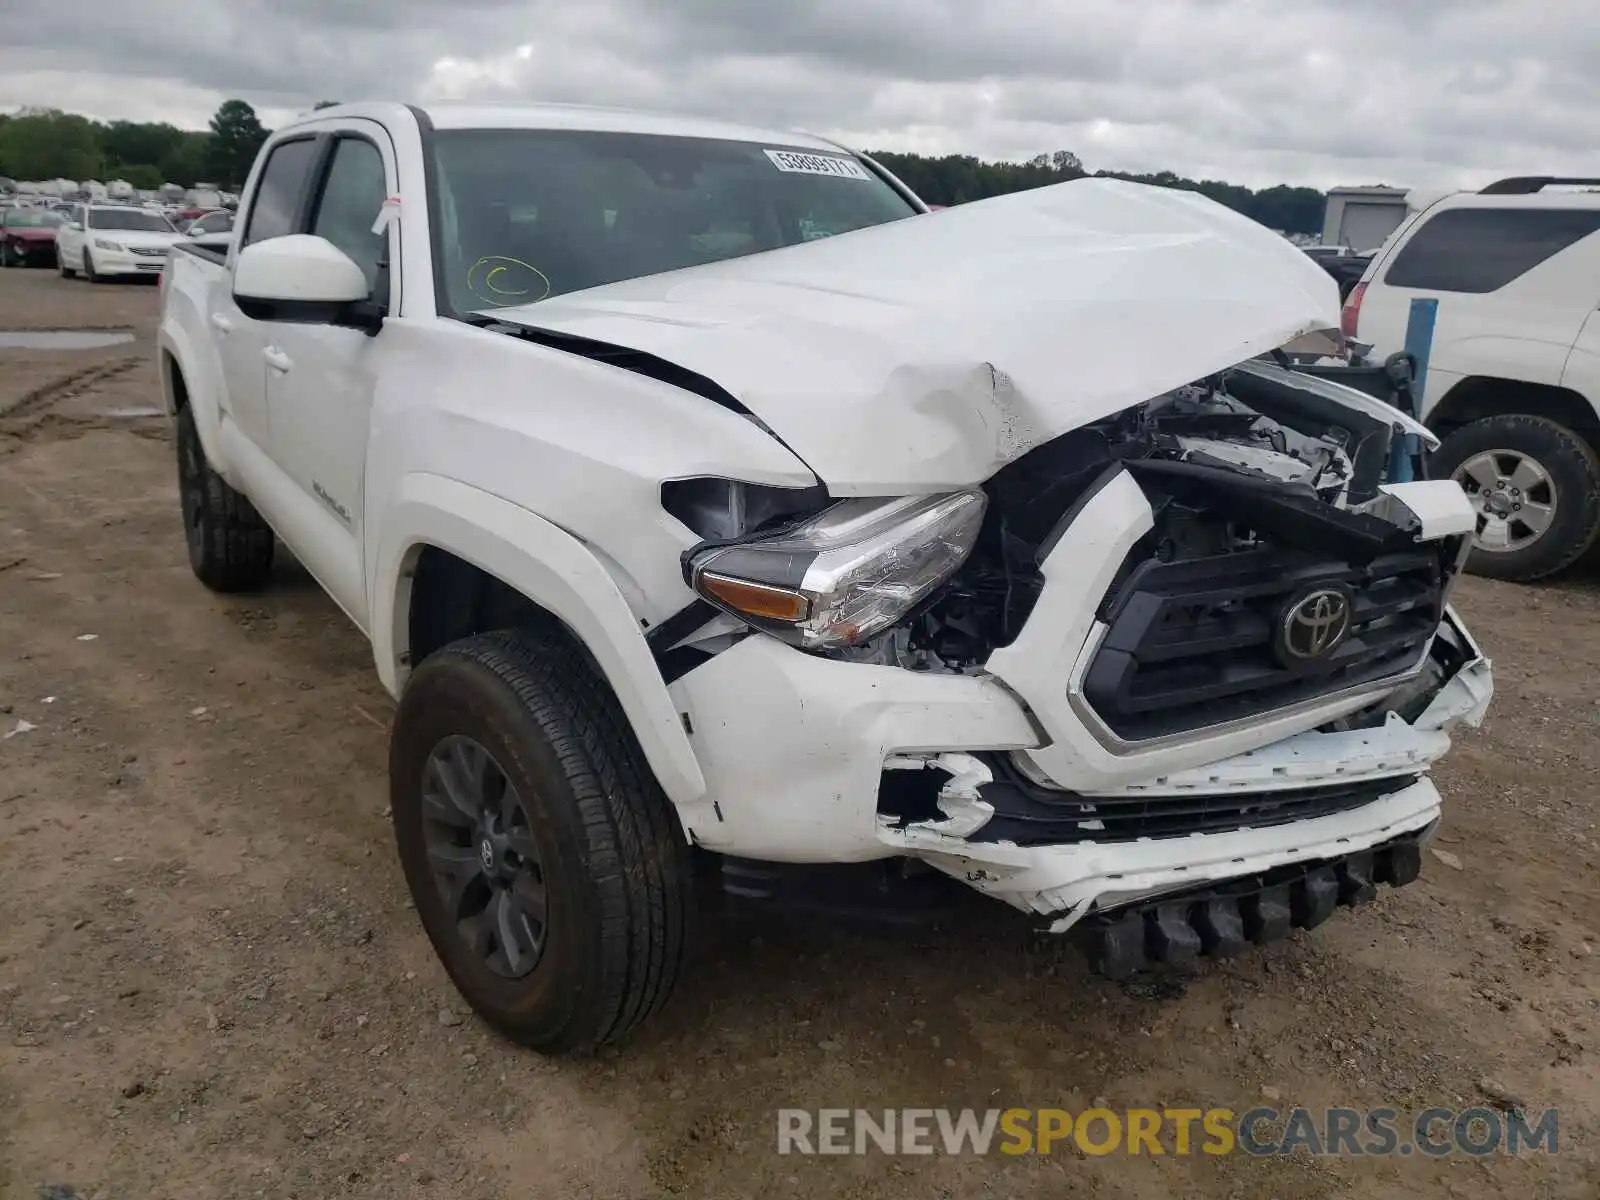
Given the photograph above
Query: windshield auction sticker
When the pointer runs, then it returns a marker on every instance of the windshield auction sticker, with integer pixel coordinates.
(817, 164)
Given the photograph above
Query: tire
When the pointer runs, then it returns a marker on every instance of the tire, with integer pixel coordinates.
(62, 269)
(613, 865)
(8, 256)
(1571, 482)
(88, 268)
(230, 546)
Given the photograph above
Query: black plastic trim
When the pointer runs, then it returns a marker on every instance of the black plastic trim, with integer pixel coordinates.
(612, 354)
(1528, 185)
(1031, 815)
(430, 180)
(1221, 920)
(679, 626)
(1075, 509)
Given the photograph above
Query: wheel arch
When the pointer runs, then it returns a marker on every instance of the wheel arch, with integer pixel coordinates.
(1480, 396)
(452, 561)
(189, 380)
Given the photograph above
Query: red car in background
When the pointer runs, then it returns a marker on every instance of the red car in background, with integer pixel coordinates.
(28, 237)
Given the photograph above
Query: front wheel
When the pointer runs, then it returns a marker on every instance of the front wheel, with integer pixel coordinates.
(230, 546)
(62, 269)
(546, 864)
(1536, 486)
(8, 256)
(88, 269)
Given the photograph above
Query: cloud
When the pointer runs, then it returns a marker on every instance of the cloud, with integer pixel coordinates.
(1421, 92)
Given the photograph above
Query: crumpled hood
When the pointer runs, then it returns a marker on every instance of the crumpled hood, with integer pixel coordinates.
(927, 353)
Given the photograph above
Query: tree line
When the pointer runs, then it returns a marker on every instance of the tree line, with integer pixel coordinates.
(958, 178)
(46, 143)
(50, 144)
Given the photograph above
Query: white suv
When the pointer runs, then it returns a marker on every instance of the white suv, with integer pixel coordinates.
(1513, 374)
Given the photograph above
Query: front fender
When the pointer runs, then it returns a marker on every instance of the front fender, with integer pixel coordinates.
(551, 568)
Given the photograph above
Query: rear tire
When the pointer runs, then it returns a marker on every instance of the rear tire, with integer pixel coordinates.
(612, 867)
(230, 546)
(1568, 475)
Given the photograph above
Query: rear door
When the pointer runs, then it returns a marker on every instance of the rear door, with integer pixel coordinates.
(1515, 279)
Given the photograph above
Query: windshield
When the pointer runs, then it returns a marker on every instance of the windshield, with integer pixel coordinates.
(529, 214)
(31, 218)
(129, 218)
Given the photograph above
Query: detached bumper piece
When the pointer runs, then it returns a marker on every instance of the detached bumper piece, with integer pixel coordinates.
(1222, 920)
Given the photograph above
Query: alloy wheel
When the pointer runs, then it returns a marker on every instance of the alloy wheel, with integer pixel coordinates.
(1514, 495)
(484, 856)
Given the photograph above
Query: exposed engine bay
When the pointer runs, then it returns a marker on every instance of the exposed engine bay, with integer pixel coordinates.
(1257, 456)
(1231, 463)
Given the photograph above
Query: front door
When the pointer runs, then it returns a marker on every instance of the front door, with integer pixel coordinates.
(321, 378)
(241, 340)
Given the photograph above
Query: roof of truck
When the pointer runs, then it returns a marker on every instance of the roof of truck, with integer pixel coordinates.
(576, 116)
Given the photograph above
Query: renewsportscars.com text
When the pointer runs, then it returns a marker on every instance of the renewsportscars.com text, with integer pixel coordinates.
(1261, 1132)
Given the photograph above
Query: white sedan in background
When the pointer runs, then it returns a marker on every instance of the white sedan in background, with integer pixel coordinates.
(101, 240)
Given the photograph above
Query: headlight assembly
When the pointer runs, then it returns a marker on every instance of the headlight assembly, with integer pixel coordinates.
(848, 572)
(106, 244)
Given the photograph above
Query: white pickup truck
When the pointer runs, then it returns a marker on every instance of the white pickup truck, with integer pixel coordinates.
(705, 501)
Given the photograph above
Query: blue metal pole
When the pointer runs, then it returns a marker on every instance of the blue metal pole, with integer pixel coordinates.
(1419, 342)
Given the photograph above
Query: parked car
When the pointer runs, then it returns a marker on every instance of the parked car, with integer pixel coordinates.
(104, 240)
(212, 224)
(1344, 264)
(994, 549)
(28, 237)
(1513, 374)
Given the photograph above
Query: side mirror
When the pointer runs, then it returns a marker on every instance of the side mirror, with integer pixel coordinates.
(304, 279)
(75, 226)
(298, 269)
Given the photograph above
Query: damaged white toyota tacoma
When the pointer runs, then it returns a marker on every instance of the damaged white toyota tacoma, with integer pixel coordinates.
(706, 501)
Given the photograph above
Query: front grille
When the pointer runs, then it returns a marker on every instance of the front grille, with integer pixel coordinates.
(1199, 642)
(1030, 815)
(149, 251)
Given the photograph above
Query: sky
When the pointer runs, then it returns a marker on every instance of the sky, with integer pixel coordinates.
(1420, 93)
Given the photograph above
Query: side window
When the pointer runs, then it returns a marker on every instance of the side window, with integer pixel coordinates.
(352, 196)
(272, 211)
(1481, 250)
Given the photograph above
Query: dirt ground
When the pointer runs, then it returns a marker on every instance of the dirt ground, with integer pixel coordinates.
(212, 984)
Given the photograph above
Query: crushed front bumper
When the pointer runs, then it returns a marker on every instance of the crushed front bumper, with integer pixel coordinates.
(795, 749)
(1063, 883)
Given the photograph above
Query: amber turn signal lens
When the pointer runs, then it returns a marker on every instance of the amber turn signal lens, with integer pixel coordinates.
(755, 599)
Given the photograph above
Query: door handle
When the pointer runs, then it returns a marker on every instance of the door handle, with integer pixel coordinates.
(221, 323)
(277, 359)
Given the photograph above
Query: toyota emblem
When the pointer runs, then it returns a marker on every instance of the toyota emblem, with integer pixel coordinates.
(1314, 625)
